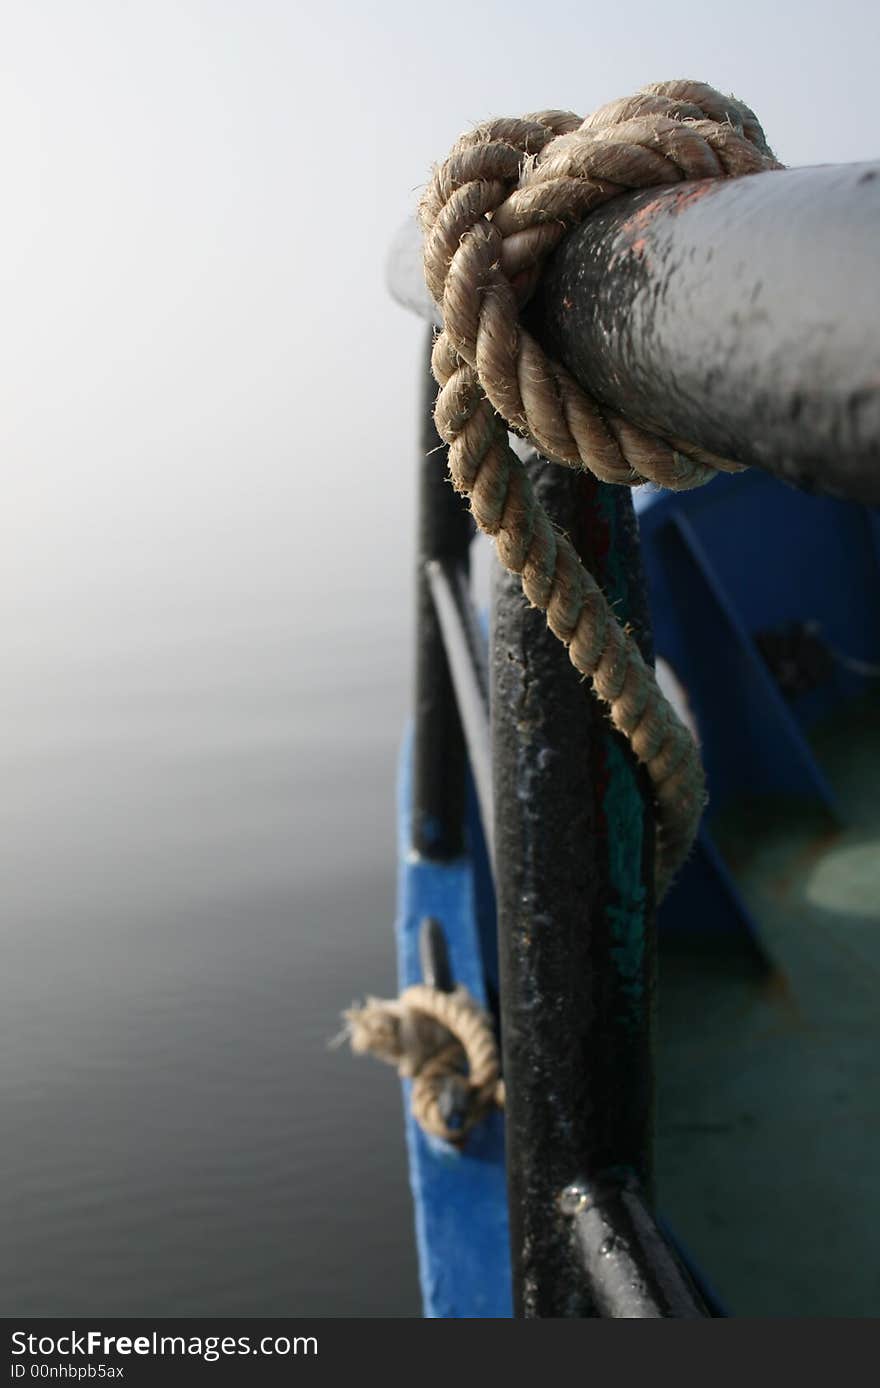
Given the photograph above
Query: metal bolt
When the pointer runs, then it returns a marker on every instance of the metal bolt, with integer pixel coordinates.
(573, 1199)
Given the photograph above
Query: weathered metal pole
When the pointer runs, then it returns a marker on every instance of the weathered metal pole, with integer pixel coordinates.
(465, 645)
(631, 1270)
(574, 849)
(439, 758)
(742, 315)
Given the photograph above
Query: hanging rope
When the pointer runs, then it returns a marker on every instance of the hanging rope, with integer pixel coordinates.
(493, 211)
(444, 1043)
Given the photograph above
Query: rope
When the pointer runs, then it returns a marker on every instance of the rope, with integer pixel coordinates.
(493, 211)
(444, 1043)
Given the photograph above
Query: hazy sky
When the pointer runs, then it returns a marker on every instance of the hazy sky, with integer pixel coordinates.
(207, 397)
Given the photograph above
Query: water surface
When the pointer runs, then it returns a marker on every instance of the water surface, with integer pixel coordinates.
(198, 846)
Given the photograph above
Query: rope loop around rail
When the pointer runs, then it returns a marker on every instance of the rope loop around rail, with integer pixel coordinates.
(445, 1043)
(496, 207)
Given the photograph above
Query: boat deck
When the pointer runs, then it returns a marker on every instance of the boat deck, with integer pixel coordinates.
(769, 1101)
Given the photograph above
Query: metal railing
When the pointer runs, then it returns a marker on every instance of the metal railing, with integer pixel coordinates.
(575, 1012)
(745, 318)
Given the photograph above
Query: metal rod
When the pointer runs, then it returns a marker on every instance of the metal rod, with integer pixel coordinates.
(741, 315)
(452, 1097)
(574, 846)
(439, 758)
(434, 956)
(631, 1270)
(466, 654)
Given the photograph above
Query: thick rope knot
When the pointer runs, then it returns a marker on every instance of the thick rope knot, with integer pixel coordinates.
(494, 210)
(445, 1044)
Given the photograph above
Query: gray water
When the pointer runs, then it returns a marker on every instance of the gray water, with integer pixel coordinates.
(199, 873)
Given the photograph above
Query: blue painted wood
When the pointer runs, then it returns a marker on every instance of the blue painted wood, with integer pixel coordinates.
(706, 606)
(460, 1196)
(766, 750)
(725, 562)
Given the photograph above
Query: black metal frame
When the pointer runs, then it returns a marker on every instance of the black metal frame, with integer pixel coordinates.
(576, 993)
(439, 756)
(763, 346)
(577, 1053)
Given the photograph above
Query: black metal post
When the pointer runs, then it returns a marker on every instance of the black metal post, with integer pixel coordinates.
(574, 848)
(465, 645)
(631, 1271)
(434, 956)
(439, 759)
(741, 315)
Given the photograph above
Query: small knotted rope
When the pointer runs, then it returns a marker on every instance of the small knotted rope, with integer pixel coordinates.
(444, 1043)
(494, 210)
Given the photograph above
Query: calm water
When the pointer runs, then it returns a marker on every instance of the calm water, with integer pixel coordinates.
(199, 873)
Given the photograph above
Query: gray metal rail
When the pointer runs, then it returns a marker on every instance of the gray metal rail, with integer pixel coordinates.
(742, 315)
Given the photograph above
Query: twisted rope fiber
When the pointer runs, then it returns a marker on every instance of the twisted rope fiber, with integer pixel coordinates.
(433, 1037)
(494, 210)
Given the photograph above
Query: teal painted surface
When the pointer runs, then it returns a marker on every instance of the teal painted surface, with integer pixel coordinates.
(769, 1099)
(625, 912)
(623, 801)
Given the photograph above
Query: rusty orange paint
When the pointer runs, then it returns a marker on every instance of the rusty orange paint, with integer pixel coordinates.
(636, 226)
